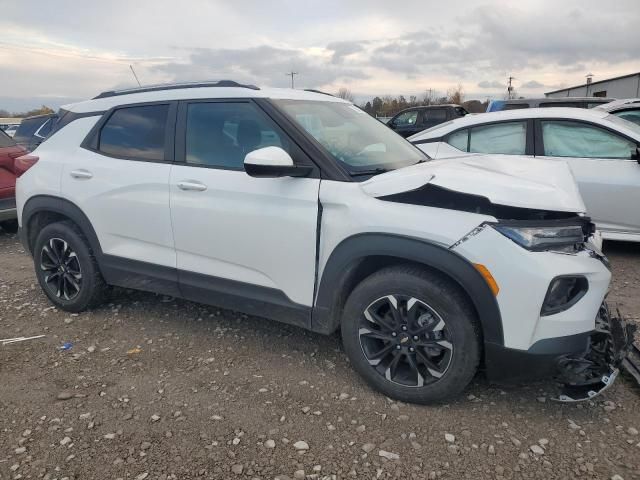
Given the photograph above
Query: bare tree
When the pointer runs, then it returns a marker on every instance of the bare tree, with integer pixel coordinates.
(345, 94)
(455, 95)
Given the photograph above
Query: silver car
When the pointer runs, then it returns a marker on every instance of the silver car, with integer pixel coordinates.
(603, 151)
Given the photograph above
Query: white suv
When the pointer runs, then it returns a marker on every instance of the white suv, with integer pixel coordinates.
(299, 207)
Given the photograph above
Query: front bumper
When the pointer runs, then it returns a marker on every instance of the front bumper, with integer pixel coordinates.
(583, 365)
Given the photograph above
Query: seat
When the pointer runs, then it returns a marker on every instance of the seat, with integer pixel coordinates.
(249, 135)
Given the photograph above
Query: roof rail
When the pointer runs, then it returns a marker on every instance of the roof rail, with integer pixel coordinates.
(174, 86)
(318, 91)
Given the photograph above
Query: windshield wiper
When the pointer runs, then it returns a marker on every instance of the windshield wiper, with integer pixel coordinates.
(373, 171)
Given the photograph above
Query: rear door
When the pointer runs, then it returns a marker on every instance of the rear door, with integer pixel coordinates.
(432, 117)
(236, 235)
(602, 163)
(120, 179)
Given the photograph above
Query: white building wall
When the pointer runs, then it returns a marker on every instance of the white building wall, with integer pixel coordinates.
(627, 87)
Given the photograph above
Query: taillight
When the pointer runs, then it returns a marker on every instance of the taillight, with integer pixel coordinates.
(24, 163)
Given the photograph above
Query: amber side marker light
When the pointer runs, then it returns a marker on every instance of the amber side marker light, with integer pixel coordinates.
(486, 274)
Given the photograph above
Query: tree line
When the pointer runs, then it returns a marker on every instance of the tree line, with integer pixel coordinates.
(388, 105)
(43, 110)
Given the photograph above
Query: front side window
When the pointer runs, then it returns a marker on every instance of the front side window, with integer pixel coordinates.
(459, 140)
(6, 140)
(575, 139)
(135, 132)
(509, 138)
(406, 119)
(351, 136)
(220, 134)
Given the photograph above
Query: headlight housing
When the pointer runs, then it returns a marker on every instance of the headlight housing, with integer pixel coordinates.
(542, 237)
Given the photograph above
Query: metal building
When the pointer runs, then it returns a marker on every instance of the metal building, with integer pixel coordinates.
(626, 86)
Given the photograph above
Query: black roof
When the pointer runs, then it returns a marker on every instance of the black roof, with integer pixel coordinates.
(174, 86)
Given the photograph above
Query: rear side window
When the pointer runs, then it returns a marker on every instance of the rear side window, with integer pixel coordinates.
(575, 139)
(629, 116)
(434, 115)
(459, 140)
(27, 128)
(6, 140)
(135, 132)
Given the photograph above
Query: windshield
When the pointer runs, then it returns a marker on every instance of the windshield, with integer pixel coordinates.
(625, 123)
(354, 138)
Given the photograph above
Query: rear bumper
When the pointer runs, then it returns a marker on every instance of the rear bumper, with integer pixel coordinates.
(8, 209)
(584, 364)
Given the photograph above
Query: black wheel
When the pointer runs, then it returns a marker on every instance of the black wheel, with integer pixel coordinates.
(66, 268)
(411, 334)
(10, 226)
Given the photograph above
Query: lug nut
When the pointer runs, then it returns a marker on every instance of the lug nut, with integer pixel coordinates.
(393, 334)
(398, 347)
(416, 338)
(411, 349)
(404, 328)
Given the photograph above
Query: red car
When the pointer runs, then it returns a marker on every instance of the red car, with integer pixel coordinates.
(9, 171)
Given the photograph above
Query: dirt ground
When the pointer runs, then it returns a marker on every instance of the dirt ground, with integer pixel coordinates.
(158, 388)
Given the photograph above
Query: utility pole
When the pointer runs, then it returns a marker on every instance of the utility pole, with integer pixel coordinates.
(510, 88)
(291, 74)
(134, 74)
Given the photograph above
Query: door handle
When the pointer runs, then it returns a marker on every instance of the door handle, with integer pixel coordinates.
(81, 174)
(192, 185)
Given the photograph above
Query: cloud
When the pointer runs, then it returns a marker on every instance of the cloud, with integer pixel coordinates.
(260, 65)
(344, 49)
(491, 84)
(533, 84)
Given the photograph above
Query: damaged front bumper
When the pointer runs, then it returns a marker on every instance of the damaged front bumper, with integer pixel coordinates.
(586, 375)
(583, 365)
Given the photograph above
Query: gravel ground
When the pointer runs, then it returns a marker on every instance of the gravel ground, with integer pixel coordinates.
(159, 388)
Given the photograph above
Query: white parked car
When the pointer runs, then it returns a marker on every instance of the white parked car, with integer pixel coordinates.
(299, 207)
(627, 109)
(601, 149)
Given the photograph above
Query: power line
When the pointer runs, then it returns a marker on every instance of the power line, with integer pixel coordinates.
(510, 88)
(291, 74)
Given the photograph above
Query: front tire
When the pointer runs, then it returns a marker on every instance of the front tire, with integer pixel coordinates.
(412, 335)
(66, 268)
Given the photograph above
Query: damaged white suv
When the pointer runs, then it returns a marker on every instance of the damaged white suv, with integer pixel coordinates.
(299, 207)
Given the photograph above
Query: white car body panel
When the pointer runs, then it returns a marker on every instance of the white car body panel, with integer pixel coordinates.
(260, 231)
(503, 180)
(610, 188)
(522, 302)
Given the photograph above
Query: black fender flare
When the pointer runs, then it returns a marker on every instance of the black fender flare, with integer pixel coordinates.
(346, 257)
(50, 203)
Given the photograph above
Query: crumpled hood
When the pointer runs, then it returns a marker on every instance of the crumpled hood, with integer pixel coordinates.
(504, 179)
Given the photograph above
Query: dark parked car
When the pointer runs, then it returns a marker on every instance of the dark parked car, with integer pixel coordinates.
(33, 130)
(9, 171)
(573, 102)
(415, 119)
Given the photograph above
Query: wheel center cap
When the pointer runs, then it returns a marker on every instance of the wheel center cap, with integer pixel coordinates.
(404, 338)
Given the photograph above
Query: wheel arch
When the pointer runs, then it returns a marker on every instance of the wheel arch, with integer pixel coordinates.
(43, 210)
(359, 256)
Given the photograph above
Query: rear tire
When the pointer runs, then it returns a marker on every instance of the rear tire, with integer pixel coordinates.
(10, 226)
(412, 335)
(67, 269)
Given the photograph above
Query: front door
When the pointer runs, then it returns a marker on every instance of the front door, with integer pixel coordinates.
(602, 163)
(243, 237)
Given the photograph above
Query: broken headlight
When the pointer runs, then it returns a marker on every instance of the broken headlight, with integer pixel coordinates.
(542, 237)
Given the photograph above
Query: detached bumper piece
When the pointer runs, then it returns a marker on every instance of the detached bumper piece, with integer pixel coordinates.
(591, 373)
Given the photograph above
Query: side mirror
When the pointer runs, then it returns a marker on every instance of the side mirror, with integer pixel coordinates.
(273, 162)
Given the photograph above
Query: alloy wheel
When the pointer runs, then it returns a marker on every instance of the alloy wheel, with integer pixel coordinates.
(405, 340)
(61, 269)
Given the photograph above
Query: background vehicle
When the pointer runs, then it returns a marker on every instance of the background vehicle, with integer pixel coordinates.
(413, 120)
(601, 149)
(9, 151)
(300, 207)
(628, 109)
(33, 130)
(519, 103)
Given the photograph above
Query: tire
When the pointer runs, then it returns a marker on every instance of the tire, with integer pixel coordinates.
(10, 226)
(438, 349)
(82, 286)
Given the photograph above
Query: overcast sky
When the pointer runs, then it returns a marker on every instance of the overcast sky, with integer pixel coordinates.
(58, 51)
